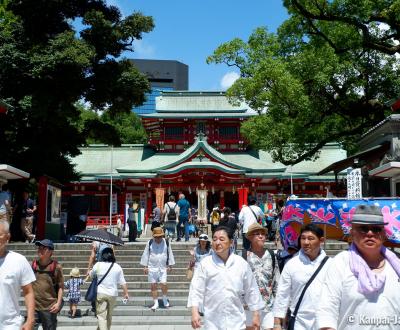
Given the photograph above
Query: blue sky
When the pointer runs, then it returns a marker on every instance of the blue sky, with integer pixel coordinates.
(188, 31)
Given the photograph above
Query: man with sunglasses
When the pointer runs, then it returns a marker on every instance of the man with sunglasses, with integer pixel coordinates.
(361, 289)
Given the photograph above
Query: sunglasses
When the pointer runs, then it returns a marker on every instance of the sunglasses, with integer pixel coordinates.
(258, 233)
(203, 237)
(366, 229)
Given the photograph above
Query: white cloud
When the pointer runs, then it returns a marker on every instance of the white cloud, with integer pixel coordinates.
(143, 50)
(228, 79)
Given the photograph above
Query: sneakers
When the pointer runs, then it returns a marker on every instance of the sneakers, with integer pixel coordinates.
(155, 306)
(165, 302)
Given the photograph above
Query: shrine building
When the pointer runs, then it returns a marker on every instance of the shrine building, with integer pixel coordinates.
(194, 143)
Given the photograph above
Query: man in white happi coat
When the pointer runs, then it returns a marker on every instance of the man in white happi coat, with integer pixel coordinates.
(362, 285)
(294, 277)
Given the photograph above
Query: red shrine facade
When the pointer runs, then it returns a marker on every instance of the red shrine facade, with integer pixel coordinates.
(194, 143)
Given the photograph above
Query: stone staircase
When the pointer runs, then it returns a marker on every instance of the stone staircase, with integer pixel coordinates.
(136, 312)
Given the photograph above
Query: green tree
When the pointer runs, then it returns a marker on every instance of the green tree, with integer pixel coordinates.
(47, 66)
(109, 128)
(323, 77)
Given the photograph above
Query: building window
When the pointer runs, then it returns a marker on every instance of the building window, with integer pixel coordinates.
(201, 127)
(228, 132)
(173, 133)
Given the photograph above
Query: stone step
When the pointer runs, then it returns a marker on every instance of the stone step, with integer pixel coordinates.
(142, 292)
(156, 319)
(132, 271)
(127, 252)
(126, 310)
(137, 301)
(134, 258)
(124, 264)
(144, 285)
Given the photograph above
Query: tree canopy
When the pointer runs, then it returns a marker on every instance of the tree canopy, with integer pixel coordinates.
(324, 76)
(48, 66)
(122, 128)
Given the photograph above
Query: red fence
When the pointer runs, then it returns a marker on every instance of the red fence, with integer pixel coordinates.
(103, 220)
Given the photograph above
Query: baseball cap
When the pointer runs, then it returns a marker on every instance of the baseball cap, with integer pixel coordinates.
(45, 242)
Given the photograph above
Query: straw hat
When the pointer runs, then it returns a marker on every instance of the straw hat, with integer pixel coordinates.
(255, 227)
(158, 232)
(75, 272)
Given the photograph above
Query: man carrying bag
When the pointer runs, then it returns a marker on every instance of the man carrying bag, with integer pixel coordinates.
(300, 283)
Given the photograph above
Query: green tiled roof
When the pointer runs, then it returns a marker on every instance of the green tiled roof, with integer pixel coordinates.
(139, 161)
(240, 161)
(201, 164)
(97, 160)
(328, 155)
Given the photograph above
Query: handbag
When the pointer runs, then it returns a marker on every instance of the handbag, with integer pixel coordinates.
(189, 273)
(292, 318)
(91, 293)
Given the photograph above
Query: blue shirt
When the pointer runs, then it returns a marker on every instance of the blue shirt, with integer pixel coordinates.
(183, 205)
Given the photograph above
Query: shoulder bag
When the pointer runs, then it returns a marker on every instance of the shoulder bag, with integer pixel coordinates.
(292, 319)
(91, 293)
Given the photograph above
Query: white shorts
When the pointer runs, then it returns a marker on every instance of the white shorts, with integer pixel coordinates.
(157, 276)
(266, 319)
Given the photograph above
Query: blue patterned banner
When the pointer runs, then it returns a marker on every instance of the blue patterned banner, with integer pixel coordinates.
(330, 212)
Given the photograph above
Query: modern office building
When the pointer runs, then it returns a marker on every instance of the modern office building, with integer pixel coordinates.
(163, 75)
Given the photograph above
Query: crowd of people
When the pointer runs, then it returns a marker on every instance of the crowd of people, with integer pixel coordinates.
(301, 289)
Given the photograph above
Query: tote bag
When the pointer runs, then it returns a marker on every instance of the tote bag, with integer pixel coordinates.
(91, 293)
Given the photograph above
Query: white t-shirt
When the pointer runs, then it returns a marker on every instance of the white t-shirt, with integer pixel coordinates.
(15, 272)
(342, 307)
(246, 216)
(115, 277)
(157, 259)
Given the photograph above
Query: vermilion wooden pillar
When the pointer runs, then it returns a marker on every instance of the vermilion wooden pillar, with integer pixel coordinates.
(149, 209)
(221, 199)
(243, 192)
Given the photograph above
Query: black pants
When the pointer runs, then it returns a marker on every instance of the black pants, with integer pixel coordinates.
(132, 231)
(47, 319)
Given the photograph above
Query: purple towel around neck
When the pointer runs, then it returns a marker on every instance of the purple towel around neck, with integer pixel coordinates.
(368, 281)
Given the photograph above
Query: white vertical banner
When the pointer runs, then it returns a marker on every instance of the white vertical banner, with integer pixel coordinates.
(354, 187)
(202, 204)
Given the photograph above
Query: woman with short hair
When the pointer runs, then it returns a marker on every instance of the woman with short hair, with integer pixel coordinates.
(107, 290)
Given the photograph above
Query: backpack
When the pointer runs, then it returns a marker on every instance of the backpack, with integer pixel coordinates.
(215, 217)
(167, 242)
(51, 272)
(171, 213)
